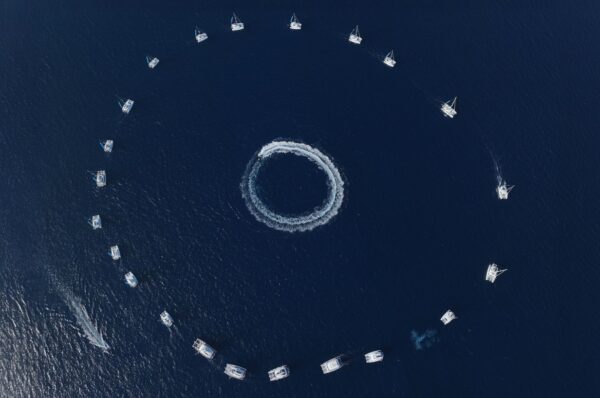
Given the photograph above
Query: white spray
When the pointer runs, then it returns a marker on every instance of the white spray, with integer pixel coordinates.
(89, 328)
(307, 222)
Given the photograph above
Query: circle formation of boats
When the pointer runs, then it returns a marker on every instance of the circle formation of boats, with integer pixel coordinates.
(306, 222)
(320, 216)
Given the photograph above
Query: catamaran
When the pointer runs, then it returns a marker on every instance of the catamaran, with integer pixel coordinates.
(279, 373)
(493, 271)
(236, 24)
(235, 371)
(115, 253)
(130, 279)
(152, 62)
(448, 317)
(374, 356)
(503, 189)
(355, 36)
(295, 25)
(389, 59)
(126, 106)
(96, 222)
(107, 146)
(449, 108)
(200, 35)
(204, 349)
(100, 178)
(166, 319)
(331, 365)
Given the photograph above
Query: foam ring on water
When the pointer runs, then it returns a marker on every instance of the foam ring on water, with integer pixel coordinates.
(306, 222)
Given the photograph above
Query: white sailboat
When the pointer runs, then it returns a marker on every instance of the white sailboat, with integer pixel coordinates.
(355, 37)
(115, 253)
(449, 108)
(389, 59)
(236, 24)
(126, 106)
(204, 349)
(130, 279)
(279, 373)
(295, 23)
(96, 222)
(448, 317)
(235, 371)
(503, 189)
(493, 271)
(152, 62)
(374, 356)
(107, 146)
(200, 35)
(166, 319)
(331, 365)
(100, 178)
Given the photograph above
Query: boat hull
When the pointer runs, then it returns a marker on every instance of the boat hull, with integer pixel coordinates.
(355, 39)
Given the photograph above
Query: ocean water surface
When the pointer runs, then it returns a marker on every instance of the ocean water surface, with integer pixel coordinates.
(417, 227)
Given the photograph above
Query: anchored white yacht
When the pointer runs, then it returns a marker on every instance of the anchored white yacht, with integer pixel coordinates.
(96, 222)
(126, 106)
(448, 317)
(152, 62)
(389, 59)
(295, 25)
(236, 24)
(374, 356)
(130, 279)
(503, 189)
(200, 35)
(235, 371)
(449, 108)
(107, 146)
(332, 365)
(279, 373)
(493, 271)
(115, 253)
(354, 37)
(166, 319)
(204, 349)
(100, 178)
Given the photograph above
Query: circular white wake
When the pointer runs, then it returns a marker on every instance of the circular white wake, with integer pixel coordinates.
(305, 222)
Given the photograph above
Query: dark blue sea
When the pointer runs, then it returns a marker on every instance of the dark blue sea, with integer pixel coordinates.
(419, 222)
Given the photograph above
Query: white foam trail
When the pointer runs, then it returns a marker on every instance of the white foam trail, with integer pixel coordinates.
(89, 328)
(320, 216)
(83, 319)
(497, 169)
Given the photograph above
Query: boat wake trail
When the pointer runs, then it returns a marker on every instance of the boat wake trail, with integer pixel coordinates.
(497, 169)
(89, 328)
(299, 223)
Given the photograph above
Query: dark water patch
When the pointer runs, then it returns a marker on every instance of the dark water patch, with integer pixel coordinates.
(291, 185)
